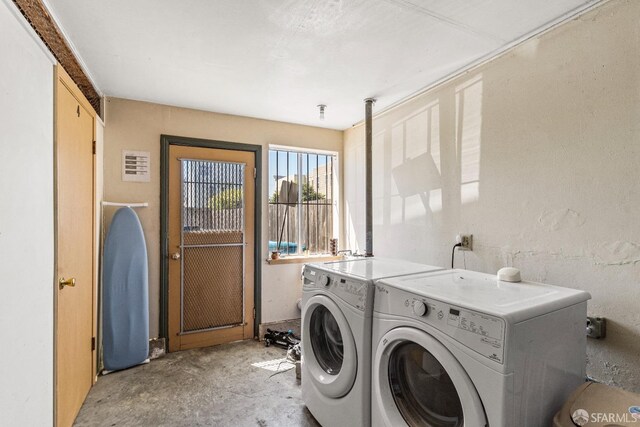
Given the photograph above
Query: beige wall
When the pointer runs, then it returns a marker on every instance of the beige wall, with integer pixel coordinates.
(536, 154)
(138, 125)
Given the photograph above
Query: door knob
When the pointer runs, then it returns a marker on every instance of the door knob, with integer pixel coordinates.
(67, 282)
(175, 255)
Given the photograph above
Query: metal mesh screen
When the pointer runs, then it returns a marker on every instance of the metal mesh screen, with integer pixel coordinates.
(212, 195)
(212, 245)
(212, 292)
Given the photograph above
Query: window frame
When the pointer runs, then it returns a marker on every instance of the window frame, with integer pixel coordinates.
(333, 207)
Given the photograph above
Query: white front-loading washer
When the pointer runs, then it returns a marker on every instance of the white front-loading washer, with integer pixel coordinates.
(460, 348)
(336, 336)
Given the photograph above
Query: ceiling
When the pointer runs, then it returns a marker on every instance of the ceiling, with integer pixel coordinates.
(279, 59)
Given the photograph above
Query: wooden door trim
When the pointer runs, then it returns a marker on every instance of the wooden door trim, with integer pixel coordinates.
(165, 142)
(66, 80)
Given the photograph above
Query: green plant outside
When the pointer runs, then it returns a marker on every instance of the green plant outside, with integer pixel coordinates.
(230, 198)
(309, 194)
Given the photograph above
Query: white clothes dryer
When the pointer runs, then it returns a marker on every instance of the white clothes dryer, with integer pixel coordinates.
(460, 348)
(336, 336)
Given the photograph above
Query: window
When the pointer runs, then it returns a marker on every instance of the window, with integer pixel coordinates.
(301, 202)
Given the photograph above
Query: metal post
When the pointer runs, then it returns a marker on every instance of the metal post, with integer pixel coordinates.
(368, 134)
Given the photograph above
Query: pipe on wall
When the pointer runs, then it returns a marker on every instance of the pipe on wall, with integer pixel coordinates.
(368, 134)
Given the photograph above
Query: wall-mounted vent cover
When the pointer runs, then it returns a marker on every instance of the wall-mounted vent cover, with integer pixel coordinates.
(135, 166)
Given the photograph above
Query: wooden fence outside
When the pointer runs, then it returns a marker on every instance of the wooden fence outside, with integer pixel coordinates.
(317, 224)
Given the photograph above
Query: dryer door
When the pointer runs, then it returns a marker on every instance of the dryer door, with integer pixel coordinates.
(329, 348)
(418, 382)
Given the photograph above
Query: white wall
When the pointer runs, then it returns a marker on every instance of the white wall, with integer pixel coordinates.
(26, 225)
(136, 125)
(536, 154)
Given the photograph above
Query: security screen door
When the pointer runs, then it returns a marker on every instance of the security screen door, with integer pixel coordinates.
(211, 247)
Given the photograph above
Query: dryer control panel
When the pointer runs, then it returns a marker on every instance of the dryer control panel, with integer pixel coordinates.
(488, 331)
(480, 332)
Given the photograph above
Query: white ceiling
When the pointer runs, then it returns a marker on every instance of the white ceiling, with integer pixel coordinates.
(278, 59)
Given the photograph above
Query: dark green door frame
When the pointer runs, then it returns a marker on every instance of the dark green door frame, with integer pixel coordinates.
(165, 142)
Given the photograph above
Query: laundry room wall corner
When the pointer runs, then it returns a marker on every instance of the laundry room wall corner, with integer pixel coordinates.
(535, 153)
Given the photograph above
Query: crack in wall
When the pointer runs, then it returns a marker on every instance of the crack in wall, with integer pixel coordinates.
(618, 253)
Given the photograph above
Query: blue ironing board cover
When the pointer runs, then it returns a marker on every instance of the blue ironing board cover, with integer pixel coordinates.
(125, 293)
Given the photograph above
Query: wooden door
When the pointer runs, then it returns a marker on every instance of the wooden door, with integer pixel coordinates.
(74, 322)
(211, 246)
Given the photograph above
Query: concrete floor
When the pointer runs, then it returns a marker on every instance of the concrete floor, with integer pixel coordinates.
(215, 386)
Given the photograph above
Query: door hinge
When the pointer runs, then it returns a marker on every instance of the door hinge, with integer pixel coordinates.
(93, 343)
(94, 147)
(254, 312)
(255, 173)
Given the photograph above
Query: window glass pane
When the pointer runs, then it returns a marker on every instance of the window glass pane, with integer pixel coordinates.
(312, 203)
(300, 201)
(272, 174)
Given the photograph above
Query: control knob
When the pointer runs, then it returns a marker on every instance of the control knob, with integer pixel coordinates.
(419, 308)
(324, 280)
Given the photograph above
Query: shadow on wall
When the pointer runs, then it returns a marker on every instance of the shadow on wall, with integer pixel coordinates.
(426, 168)
(416, 179)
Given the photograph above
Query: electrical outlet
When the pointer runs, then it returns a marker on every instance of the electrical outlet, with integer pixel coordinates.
(596, 327)
(467, 242)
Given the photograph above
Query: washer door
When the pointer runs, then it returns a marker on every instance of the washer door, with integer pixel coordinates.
(329, 348)
(418, 382)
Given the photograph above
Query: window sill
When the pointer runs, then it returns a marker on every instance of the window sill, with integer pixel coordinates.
(300, 259)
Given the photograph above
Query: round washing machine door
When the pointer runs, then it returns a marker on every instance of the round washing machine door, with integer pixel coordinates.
(418, 382)
(329, 348)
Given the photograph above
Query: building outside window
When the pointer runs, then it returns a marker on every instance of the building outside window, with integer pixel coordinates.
(302, 201)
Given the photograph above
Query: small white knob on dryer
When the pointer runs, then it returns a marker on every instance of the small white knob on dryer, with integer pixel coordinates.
(324, 280)
(419, 308)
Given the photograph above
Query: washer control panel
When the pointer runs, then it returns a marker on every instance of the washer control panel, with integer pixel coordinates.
(354, 292)
(420, 308)
(481, 332)
(324, 280)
